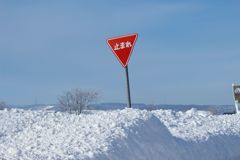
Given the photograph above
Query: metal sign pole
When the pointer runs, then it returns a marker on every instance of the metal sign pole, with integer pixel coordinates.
(128, 88)
(236, 105)
(236, 96)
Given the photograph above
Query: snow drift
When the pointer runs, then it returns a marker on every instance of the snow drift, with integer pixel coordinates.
(120, 134)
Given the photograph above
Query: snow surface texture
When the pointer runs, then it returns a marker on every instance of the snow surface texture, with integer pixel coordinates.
(120, 134)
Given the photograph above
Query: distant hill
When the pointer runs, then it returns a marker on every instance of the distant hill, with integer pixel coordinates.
(216, 109)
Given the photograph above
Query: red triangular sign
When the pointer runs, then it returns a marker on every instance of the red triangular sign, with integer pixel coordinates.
(122, 47)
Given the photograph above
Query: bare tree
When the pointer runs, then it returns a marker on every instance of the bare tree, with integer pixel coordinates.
(65, 101)
(77, 100)
(3, 105)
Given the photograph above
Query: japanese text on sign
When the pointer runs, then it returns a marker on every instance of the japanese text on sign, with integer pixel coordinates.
(122, 45)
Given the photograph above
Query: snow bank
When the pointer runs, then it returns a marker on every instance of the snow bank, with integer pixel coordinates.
(120, 134)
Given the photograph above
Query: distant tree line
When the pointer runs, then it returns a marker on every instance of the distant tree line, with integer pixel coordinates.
(3, 105)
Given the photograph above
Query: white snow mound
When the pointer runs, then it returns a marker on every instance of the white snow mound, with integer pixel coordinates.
(120, 134)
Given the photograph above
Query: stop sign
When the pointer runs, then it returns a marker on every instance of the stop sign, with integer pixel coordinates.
(122, 47)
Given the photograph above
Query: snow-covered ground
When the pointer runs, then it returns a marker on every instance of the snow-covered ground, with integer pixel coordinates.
(119, 134)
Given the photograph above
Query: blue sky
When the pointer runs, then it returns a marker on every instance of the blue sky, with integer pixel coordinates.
(187, 52)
